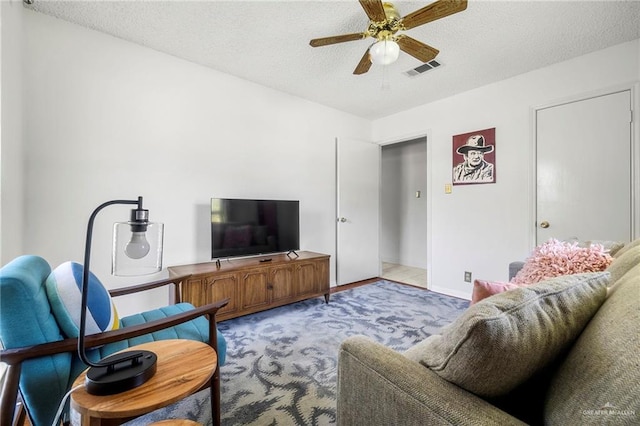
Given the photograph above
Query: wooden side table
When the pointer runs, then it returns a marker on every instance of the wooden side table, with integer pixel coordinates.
(184, 366)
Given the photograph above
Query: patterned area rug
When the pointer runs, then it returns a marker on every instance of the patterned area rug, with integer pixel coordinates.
(282, 364)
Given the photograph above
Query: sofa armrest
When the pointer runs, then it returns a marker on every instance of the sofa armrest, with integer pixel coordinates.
(377, 385)
(16, 356)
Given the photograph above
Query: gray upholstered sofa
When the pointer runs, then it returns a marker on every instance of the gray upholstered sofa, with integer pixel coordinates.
(590, 349)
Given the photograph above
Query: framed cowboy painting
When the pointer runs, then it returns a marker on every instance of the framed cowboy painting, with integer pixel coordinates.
(474, 156)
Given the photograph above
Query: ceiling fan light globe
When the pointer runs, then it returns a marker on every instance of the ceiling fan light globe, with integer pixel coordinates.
(384, 52)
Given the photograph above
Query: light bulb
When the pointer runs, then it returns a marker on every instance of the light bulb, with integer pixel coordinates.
(138, 247)
(384, 52)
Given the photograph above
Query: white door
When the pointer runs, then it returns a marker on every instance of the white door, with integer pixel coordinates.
(357, 219)
(583, 152)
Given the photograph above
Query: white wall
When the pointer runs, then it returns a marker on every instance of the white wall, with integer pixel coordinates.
(106, 119)
(11, 147)
(481, 228)
(93, 106)
(403, 229)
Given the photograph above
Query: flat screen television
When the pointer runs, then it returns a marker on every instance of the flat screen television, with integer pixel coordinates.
(242, 227)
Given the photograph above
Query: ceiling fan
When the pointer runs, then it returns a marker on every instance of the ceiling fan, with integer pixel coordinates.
(385, 22)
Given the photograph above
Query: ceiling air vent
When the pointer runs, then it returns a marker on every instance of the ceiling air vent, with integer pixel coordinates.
(423, 68)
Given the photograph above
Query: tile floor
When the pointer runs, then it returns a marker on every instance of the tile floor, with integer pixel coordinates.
(404, 274)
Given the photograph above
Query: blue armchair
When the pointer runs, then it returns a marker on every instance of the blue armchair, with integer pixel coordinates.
(42, 362)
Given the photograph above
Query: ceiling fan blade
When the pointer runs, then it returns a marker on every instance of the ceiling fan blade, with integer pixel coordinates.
(316, 42)
(363, 65)
(417, 49)
(374, 10)
(435, 10)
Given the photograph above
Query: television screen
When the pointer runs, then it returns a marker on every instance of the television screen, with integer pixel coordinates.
(250, 227)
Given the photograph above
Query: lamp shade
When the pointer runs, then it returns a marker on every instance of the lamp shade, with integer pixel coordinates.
(384, 52)
(137, 249)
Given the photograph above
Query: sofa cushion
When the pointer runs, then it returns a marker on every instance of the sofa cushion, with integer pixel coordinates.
(500, 342)
(555, 258)
(483, 289)
(599, 381)
(623, 263)
(627, 247)
(632, 274)
(64, 290)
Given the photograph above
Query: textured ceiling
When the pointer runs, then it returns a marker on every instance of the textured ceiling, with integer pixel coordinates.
(267, 42)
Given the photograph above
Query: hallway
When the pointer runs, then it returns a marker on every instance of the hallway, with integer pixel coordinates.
(404, 274)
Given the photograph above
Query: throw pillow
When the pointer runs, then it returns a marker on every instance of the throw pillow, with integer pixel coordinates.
(500, 342)
(64, 290)
(483, 289)
(555, 258)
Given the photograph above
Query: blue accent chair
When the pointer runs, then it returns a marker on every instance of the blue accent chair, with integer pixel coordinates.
(42, 362)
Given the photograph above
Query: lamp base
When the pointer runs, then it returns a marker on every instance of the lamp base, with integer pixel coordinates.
(124, 371)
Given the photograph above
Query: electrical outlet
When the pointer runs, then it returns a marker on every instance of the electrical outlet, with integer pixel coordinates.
(467, 276)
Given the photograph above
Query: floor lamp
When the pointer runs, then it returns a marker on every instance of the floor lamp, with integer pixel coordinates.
(137, 250)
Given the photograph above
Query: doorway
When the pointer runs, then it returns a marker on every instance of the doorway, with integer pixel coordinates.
(403, 212)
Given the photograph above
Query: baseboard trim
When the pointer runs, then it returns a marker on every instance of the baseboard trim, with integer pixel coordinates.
(449, 292)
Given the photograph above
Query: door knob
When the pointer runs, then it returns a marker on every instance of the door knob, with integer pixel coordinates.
(343, 219)
(544, 224)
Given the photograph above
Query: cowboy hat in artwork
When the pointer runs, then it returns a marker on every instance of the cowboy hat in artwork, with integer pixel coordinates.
(476, 143)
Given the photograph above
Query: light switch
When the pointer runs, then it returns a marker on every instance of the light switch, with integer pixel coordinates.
(417, 194)
(447, 188)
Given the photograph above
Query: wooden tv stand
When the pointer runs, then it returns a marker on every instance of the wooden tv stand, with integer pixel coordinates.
(255, 284)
